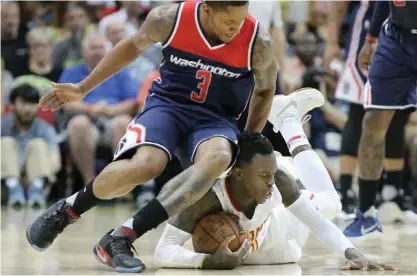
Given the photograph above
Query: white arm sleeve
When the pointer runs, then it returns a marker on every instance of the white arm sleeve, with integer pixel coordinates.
(322, 228)
(171, 253)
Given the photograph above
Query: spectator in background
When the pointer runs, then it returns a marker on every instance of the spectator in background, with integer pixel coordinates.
(6, 87)
(67, 53)
(29, 147)
(148, 61)
(131, 14)
(40, 63)
(13, 38)
(305, 48)
(103, 115)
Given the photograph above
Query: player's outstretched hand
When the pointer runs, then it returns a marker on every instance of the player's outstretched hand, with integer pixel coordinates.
(223, 258)
(357, 261)
(364, 264)
(365, 57)
(62, 93)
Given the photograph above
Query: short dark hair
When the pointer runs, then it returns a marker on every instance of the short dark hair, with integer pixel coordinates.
(225, 4)
(251, 144)
(25, 91)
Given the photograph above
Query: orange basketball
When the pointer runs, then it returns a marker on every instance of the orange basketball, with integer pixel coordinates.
(212, 230)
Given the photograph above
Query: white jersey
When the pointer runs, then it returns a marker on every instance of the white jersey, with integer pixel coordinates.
(271, 227)
(257, 227)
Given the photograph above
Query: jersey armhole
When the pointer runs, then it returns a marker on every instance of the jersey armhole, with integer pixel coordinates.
(252, 45)
(175, 28)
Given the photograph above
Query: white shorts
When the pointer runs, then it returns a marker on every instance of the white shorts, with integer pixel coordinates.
(350, 86)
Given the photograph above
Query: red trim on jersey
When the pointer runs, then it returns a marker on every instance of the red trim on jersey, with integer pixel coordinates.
(189, 39)
(226, 184)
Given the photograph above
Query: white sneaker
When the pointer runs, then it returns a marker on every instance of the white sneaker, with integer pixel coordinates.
(297, 104)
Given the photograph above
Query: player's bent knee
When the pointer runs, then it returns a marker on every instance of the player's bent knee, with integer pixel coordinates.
(147, 163)
(222, 158)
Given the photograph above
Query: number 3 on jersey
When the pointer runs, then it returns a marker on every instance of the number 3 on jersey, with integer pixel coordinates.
(205, 77)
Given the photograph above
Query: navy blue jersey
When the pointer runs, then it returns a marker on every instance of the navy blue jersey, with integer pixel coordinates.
(218, 78)
(404, 14)
(358, 28)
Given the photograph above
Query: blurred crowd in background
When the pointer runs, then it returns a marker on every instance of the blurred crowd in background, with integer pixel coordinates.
(47, 156)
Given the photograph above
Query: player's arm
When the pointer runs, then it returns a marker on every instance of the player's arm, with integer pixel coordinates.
(311, 210)
(381, 12)
(338, 11)
(264, 67)
(156, 28)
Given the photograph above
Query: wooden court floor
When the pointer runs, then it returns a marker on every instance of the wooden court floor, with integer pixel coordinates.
(71, 253)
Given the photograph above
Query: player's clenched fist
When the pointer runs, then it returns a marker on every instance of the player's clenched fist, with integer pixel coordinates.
(365, 57)
(62, 93)
(223, 258)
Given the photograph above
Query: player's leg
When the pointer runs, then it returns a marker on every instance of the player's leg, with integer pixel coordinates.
(38, 168)
(286, 115)
(348, 154)
(10, 171)
(82, 139)
(141, 156)
(391, 86)
(395, 204)
(211, 152)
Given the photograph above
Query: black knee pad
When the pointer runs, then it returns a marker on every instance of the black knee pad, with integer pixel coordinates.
(395, 138)
(352, 131)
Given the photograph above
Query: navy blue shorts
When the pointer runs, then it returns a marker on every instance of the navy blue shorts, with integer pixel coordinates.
(392, 80)
(177, 129)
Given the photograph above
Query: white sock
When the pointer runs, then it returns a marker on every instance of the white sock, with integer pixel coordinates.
(128, 223)
(12, 182)
(312, 172)
(70, 200)
(293, 133)
(38, 182)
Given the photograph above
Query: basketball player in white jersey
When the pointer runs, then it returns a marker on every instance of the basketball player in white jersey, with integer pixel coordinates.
(256, 190)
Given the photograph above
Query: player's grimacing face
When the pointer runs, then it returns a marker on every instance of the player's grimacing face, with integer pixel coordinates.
(226, 23)
(258, 176)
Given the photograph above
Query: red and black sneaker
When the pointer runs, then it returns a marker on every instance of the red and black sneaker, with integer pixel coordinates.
(43, 231)
(116, 250)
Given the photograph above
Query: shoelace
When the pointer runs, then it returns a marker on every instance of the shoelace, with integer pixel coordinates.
(56, 218)
(122, 245)
(304, 120)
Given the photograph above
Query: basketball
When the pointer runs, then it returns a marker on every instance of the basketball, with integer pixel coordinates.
(212, 230)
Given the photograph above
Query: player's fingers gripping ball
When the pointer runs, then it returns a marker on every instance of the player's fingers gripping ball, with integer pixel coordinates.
(212, 230)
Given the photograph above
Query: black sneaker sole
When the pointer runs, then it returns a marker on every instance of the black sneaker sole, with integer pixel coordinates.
(30, 241)
(118, 268)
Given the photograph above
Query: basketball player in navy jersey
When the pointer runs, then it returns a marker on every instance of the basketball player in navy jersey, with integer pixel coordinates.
(392, 84)
(350, 88)
(214, 57)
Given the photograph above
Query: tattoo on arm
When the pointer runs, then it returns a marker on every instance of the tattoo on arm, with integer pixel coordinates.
(264, 67)
(184, 190)
(157, 27)
(187, 220)
(264, 64)
(287, 186)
